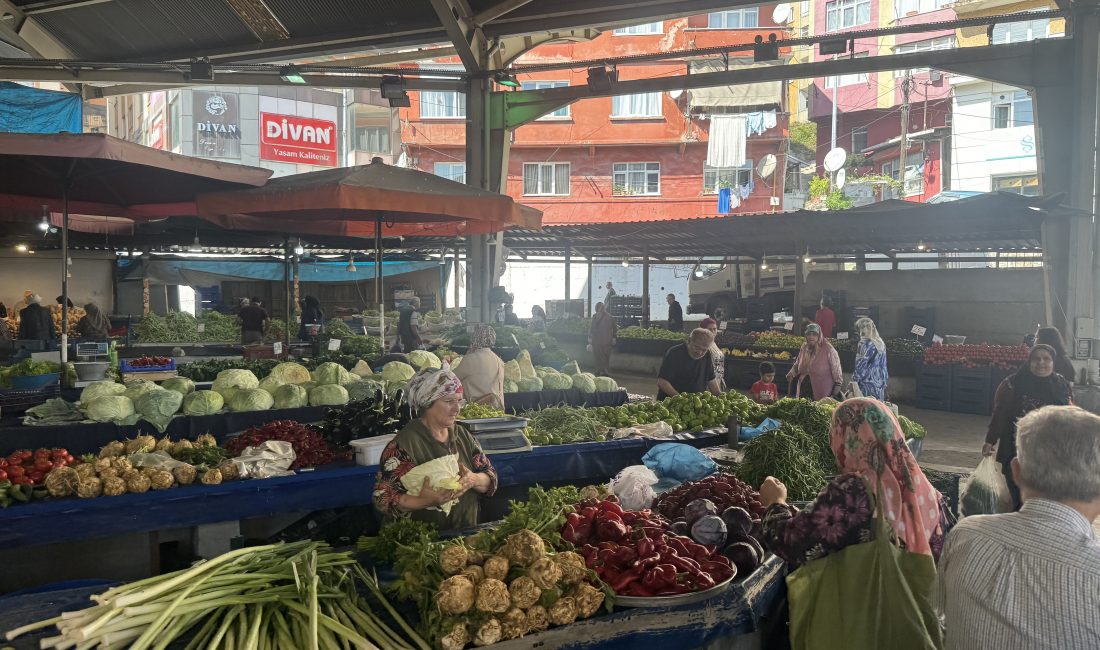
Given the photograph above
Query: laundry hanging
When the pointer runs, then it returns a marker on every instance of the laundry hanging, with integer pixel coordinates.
(724, 200)
(726, 147)
(770, 119)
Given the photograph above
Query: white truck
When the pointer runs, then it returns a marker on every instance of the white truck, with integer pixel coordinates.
(722, 290)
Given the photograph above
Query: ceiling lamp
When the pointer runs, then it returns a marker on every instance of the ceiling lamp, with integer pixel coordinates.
(196, 246)
(921, 246)
(626, 264)
(291, 74)
(351, 264)
(22, 248)
(299, 249)
(393, 90)
(506, 78)
(806, 258)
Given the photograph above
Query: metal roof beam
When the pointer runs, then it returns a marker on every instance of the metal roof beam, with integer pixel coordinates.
(562, 14)
(498, 10)
(259, 19)
(58, 5)
(457, 19)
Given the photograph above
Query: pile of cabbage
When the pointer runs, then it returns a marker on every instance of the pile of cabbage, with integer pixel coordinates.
(520, 376)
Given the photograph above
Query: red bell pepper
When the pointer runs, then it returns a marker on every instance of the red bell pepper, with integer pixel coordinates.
(684, 564)
(625, 579)
(662, 576)
(624, 557)
(646, 547)
(611, 506)
(611, 530)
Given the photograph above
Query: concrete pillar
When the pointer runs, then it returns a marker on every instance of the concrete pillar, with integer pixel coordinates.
(589, 306)
(645, 289)
(799, 288)
(479, 272)
(568, 271)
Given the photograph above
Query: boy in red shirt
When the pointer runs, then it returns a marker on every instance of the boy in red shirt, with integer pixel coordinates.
(765, 391)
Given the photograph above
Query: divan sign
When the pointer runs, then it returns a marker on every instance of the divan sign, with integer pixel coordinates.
(299, 140)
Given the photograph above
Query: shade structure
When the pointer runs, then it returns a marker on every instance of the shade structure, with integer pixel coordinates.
(106, 176)
(368, 193)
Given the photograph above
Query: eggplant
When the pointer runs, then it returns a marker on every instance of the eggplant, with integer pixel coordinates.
(738, 520)
(680, 527)
(744, 557)
(747, 539)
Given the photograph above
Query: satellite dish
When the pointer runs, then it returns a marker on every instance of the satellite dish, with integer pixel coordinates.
(835, 159)
(782, 14)
(841, 177)
(675, 93)
(767, 166)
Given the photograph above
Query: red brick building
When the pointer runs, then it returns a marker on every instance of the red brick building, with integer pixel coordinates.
(634, 158)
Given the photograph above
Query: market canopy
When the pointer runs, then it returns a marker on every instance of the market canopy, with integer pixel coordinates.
(350, 200)
(988, 222)
(205, 273)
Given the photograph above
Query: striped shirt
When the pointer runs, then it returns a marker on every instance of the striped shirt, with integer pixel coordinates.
(1023, 581)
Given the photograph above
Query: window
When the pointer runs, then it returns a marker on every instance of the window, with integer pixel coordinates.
(735, 19)
(859, 139)
(1012, 109)
(805, 9)
(1027, 30)
(375, 139)
(921, 6)
(842, 14)
(643, 105)
(456, 171)
(542, 85)
(442, 104)
(914, 173)
(715, 178)
(636, 178)
(941, 43)
(1027, 185)
(707, 270)
(636, 30)
(848, 79)
(540, 179)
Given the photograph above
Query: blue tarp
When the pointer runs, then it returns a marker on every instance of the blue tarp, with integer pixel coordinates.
(203, 273)
(29, 110)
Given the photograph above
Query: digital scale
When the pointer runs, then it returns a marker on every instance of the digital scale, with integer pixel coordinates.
(502, 435)
(91, 362)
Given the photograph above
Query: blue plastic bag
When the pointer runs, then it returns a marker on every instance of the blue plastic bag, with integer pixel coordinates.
(678, 461)
(748, 433)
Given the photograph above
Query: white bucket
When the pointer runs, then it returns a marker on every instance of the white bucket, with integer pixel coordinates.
(368, 451)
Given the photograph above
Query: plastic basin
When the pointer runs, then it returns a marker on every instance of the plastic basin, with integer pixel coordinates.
(34, 382)
(368, 451)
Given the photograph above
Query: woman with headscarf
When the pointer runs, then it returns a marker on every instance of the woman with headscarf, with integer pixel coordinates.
(601, 338)
(435, 396)
(877, 470)
(716, 355)
(1034, 386)
(1062, 365)
(481, 371)
(93, 324)
(311, 315)
(35, 321)
(870, 373)
(819, 362)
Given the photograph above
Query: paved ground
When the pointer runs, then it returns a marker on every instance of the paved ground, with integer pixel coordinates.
(954, 440)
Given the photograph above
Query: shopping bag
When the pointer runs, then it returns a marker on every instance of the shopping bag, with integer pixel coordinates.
(986, 491)
(869, 596)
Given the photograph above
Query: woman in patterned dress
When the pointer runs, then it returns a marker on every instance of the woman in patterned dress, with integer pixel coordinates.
(876, 470)
(435, 396)
(817, 362)
(870, 372)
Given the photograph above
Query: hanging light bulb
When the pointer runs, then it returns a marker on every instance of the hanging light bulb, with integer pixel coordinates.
(921, 246)
(351, 263)
(806, 258)
(22, 248)
(44, 225)
(299, 249)
(626, 264)
(764, 262)
(196, 246)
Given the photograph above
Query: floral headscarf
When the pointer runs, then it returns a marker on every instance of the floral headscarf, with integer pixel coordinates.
(431, 385)
(484, 336)
(868, 441)
(807, 354)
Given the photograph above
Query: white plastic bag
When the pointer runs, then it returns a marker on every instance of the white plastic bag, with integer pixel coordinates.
(634, 487)
(661, 430)
(986, 491)
(268, 459)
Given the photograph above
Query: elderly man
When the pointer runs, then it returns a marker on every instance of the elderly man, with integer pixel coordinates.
(687, 367)
(1031, 579)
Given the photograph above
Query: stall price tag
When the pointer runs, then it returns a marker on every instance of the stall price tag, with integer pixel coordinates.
(542, 346)
(919, 331)
(936, 338)
(333, 345)
(201, 327)
(277, 347)
(842, 336)
(788, 326)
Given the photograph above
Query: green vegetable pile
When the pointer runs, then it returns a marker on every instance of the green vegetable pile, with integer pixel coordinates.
(561, 425)
(364, 419)
(650, 333)
(815, 420)
(207, 370)
(570, 326)
(27, 368)
(395, 534)
(911, 429)
(479, 412)
(789, 454)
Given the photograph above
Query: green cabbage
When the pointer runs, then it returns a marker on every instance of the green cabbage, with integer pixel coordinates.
(366, 389)
(510, 386)
(234, 378)
(330, 372)
(270, 383)
(100, 389)
(157, 407)
(525, 367)
(421, 359)
(557, 381)
(584, 382)
(290, 373)
(393, 386)
(606, 385)
(110, 408)
(571, 368)
(250, 399)
(181, 385)
(454, 362)
(513, 371)
(362, 369)
(203, 402)
(532, 385)
(139, 387)
(328, 395)
(290, 396)
(397, 371)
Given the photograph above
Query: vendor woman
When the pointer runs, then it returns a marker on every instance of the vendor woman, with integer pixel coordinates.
(435, 395)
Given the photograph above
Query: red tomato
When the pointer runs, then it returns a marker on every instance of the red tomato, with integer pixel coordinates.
(16, 470)
(15, 459)
(26, 453)
(35, 477)
(69, 459)
(3, 475)
(43, 465)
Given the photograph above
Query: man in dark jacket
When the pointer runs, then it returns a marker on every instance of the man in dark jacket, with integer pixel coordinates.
(675, 314)
(35, 322)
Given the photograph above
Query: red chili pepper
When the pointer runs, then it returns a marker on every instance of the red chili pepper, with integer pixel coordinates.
(625, 579)
(662, 576)
(682, 563)
(645, 547)
(637, 589)
(611, 530)
(610, 506)
(624, 557)
(700, 581)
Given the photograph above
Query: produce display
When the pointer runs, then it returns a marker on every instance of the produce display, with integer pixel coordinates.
(778, 341)
(562, 425)
(146, 361)
(367, 418)
(479, 412)
(781, 356)
(911, 348)
(297, 595)
(580, 326)
(651, 333)
(180, 327)
(791, 455)
(27, 368)
(26, 467)
(1005, 357)
(722, 490)
(310, 446)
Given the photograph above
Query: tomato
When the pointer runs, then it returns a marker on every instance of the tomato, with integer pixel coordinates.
(69, 459)
(35, 477)
(43, 465)
(26, 453)
(16, 470)
(3, 475)
(15, 458)
(21, 480)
